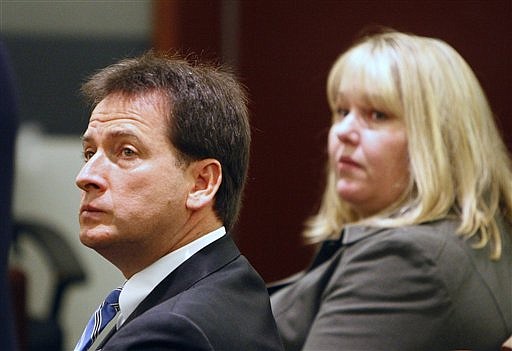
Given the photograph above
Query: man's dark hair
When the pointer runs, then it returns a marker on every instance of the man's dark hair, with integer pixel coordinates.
(208, 115)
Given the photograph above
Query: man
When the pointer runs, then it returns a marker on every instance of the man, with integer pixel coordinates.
(166, 154)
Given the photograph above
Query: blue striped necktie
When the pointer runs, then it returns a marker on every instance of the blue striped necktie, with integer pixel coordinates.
(103, 315)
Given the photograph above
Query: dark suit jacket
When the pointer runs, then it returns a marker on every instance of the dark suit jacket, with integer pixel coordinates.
(411, 288)
(213, 301)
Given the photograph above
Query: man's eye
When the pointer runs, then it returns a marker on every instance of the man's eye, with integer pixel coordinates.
(127, 152)
(88, 154)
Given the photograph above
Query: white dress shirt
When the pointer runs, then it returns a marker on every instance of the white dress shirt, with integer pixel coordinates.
(142, 283)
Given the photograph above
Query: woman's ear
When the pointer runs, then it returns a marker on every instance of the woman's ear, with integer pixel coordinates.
(207, 175)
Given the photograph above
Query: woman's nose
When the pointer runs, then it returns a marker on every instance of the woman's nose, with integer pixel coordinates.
(92, 174)
(348, 128)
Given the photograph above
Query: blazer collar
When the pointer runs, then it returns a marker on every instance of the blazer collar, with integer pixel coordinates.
(354, 233)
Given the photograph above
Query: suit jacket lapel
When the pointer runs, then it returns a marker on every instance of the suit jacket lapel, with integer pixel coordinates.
(106, 338)
(206, 261)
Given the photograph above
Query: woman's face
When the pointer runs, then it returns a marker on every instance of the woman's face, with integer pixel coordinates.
(368, 152)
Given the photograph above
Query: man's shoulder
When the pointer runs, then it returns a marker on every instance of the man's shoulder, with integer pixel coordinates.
(227, 286)
(227, 307)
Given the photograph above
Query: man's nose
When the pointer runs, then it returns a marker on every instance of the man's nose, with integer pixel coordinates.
(93, 174)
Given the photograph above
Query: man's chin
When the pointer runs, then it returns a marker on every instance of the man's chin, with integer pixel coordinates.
(95, 238)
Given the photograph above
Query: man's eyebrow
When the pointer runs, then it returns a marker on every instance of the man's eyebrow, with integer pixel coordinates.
(113, 134)
(85, 139)
(124, 133)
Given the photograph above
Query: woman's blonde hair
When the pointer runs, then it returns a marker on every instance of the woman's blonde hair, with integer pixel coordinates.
(459, 164)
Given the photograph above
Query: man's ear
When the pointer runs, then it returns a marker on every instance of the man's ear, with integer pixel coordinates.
(207, 176)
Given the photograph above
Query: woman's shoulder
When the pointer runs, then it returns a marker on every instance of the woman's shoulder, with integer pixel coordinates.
(429, 254)
(434, 246)
(430, 236)
(434, 236)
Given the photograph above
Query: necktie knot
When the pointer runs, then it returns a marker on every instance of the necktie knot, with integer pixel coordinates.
(99, 320)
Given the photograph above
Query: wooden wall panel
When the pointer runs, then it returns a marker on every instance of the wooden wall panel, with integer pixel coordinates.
(188, 26)
(286, 50)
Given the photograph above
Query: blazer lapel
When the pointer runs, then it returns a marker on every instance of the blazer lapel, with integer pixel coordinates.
(324, 253)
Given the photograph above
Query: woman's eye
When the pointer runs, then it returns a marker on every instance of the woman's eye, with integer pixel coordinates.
(377, 115)
(342, 112)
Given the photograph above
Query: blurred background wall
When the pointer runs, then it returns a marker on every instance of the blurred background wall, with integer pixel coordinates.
(282, 50)
(286, 49)
(54, 46)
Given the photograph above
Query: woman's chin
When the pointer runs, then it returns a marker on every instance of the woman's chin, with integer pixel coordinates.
(354, 199)
(350, 193)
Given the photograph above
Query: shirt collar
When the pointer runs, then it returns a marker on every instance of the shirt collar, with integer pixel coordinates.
(142, 283)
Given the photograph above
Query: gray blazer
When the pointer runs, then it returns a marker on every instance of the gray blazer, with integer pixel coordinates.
(214, 301)
(410, 288)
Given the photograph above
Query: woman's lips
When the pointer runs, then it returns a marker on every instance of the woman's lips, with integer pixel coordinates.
(347, 163)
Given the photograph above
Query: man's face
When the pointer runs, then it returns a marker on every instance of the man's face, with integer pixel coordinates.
(134, 191)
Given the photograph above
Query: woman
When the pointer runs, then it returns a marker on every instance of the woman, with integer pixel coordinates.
(420, 186)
